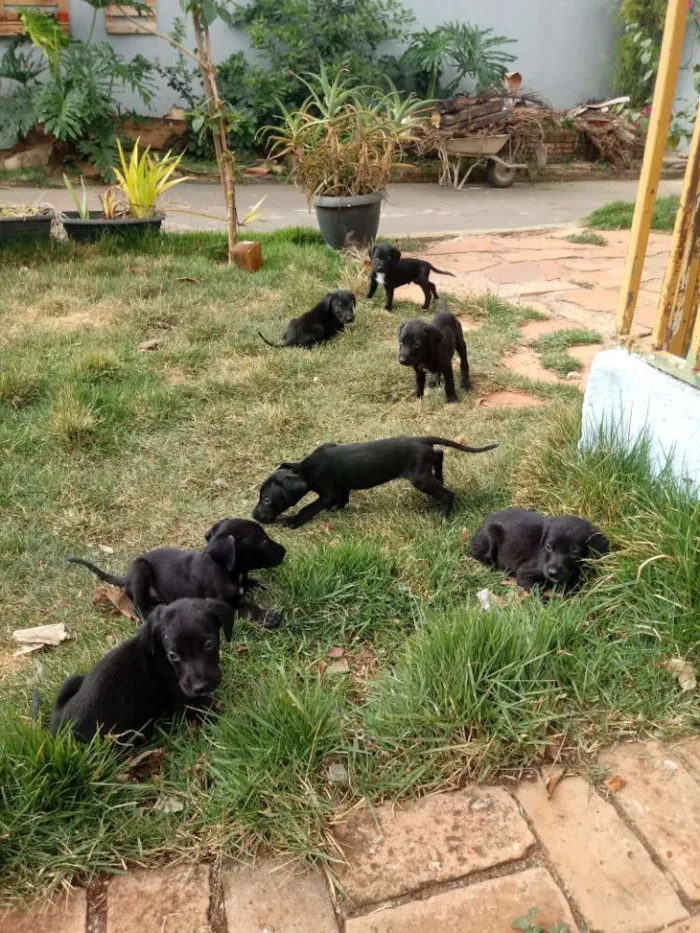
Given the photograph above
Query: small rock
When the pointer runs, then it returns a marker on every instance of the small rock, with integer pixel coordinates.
(106, 549)
(615, 783)
(574, 374)
(149, 345)
(338, 667)
(220, 483)
(335, 652)
(337, 773)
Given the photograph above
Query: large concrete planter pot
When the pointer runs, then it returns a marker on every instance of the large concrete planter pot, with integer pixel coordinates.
(30, 227)
(347, 220)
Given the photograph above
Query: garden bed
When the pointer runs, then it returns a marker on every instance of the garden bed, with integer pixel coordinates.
(111, 451)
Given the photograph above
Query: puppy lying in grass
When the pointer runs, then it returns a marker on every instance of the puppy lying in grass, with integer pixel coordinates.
(391, 271)
(321, 323)
(334, 470)
(537, 550)
(172, 663)
(430, 347)
(165, 574)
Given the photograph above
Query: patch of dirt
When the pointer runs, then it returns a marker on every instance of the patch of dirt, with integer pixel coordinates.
(9, 663)
(535, 329)
(468, 323)
(99, 315)
(585, 355)
(525, 362)
(507, 399)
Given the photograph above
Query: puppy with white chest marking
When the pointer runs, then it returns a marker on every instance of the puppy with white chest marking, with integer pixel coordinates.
(537, 550)
(430, 347)
(391, 271)
(321, 323)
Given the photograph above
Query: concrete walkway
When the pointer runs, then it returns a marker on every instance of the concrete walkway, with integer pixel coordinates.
(620, 856)
(411, 208)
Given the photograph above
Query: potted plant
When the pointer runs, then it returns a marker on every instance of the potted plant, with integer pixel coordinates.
(342, 144)
(129, 205)
(25, 221)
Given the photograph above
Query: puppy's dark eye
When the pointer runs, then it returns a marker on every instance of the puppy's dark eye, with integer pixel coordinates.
(173, 657)
(209, 645)
(548, 548)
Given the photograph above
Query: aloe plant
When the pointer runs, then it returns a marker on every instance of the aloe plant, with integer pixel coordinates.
(144, 177)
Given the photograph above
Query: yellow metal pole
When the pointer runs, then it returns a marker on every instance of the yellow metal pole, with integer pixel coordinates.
(694, 352)
(659, 123)
(682, 249)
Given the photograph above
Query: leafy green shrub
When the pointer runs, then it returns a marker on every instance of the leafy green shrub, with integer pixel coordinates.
(637, 54)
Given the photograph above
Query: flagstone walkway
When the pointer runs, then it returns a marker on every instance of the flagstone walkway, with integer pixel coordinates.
(619, 856)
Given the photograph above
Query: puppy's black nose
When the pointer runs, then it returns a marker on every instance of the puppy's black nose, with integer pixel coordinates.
(200, 688)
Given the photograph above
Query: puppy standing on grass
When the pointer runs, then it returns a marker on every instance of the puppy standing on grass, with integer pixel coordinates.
(334, 470)
(391, 271)
(321, 323)
(170, 665)
(165, 574)
(431, 347)
(536, 550)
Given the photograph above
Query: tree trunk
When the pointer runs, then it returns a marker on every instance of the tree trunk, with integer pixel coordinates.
(224, 156)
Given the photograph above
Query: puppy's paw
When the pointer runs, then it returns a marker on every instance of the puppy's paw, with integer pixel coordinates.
(451, 399)
(273, 619)
(289, 522)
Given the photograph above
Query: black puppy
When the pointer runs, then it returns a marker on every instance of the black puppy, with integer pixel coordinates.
(333, 470)
(165, 574)
(431, 347)
(255, 549)
(321, 323)
(536, 550)
(172, 663)
(391, 271)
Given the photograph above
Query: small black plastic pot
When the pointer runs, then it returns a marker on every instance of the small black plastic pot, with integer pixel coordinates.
(87, 231)
(347, 220)
(34, 226)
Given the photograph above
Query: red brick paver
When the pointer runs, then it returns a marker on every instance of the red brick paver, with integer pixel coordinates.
(488, 907)
(440, 838)
(272, 897)
(65, 915)
(662, 799)
(164, 900)
(610, 876)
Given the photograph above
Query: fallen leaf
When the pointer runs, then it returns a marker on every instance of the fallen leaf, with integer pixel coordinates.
(167, 803)
(321, 667)
(465, 536)
(149, 345)
(335, 652)
(256, 170)
(106, 549)
(111, 597)
(334, 543)
(615, 783)
(684, 671)
(32, 639)
(188, 278)
(241, 649)
(338, 667)
(143, 767)
(220, 483)
(554, 775)
(462, 439)
(137, 270)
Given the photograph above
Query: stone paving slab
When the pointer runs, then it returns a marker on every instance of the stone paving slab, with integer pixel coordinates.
(685, 926)
(272, 897)
(162, 900)
(663, 801)
(606, 869)
(65, 915)
(689, 750)
(440, 838)
(488, 907)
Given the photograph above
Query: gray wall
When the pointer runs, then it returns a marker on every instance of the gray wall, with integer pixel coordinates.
(564, 47)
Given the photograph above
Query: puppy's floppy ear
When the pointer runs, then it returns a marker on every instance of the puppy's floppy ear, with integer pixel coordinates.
(395, 254)
(597, 543)
(295, 486)
(434, 336)
(327, 302)
(150, 630)
(222, 549)
(224, 614)
(287, 466)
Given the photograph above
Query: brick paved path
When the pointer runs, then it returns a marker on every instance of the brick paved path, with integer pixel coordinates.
(471, 861)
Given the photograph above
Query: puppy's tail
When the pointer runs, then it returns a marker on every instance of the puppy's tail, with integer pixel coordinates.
(102, 574)
(440, 271)
(279, 346)
(443, 442)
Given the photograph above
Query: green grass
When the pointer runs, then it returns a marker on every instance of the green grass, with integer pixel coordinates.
(587, 238)
(107, 447)
(617, 215)
(552, 349)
